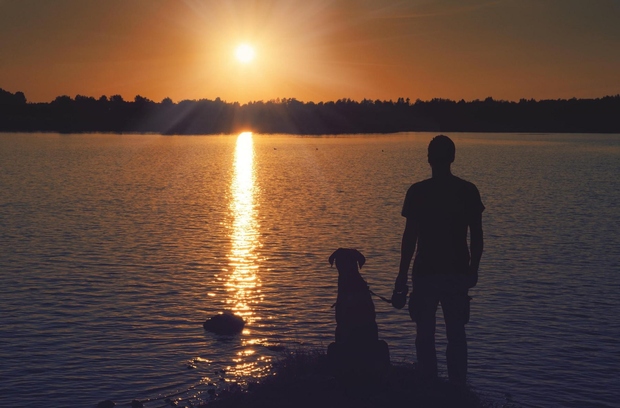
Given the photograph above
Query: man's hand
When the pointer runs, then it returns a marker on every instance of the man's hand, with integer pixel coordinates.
(407, 249)
(472, 276)
(476, 246)
(401, 282)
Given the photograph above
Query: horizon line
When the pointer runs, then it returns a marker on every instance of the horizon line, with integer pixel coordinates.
(278, 100)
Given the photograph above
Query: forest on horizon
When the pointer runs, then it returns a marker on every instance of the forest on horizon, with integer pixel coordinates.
(84, 114)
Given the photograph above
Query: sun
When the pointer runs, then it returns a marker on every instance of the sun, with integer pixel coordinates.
(245, 53)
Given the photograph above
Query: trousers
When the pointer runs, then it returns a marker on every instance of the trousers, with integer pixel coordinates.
(429, 291)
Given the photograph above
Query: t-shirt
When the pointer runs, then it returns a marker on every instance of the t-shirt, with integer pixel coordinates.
(443, 209)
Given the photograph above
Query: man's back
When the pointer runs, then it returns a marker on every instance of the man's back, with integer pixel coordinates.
(442, 208)
(439, 213)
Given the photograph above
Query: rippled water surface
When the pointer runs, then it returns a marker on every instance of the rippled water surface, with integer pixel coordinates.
(115, 249)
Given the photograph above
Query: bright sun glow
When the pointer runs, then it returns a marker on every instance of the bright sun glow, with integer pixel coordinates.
(245, 53)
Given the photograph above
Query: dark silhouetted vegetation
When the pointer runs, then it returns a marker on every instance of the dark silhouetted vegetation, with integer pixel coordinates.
(87, 114)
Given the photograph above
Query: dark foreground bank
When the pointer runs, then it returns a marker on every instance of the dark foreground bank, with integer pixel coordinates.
(302, 379)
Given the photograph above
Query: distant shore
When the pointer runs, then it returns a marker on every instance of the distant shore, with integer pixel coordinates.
(84, 114)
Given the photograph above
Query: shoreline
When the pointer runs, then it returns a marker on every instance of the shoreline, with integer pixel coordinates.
(303, 379)
(291, 116)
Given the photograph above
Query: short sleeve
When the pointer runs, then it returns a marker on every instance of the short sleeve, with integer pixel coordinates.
(408, 205)
(474, 202)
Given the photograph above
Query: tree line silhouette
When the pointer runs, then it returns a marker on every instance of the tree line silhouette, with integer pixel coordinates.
(288, 115)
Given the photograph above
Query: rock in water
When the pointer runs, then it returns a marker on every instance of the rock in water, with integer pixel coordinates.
(224, 323)
(137, 404)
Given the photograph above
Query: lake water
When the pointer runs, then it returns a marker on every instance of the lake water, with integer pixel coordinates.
(115, 248)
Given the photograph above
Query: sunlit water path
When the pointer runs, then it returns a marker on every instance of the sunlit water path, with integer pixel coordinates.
(114, 250)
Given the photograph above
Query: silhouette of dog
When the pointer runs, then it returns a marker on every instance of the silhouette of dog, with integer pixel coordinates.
(357, 350)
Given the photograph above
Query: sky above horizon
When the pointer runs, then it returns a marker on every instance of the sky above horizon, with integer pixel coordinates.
(317, 50)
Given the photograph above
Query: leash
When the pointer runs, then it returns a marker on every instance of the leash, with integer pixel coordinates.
(380, 297)
(372, 293)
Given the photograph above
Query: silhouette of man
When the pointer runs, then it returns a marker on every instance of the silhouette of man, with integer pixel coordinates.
(439, 212)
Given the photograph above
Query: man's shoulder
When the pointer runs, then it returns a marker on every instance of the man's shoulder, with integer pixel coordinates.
(466, 184)
(455, 181)
(471, 194)
(415, 194)
(420, 185)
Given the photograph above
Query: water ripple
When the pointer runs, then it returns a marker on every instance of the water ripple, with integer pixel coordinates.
(114, 250)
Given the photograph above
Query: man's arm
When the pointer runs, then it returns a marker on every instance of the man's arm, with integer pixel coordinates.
(407, 249)
(476, 243)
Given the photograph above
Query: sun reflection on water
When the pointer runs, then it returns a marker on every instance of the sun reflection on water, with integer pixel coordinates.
(242, 281)
(242, 285)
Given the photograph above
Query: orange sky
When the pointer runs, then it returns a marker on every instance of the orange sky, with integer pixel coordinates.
(311, 50)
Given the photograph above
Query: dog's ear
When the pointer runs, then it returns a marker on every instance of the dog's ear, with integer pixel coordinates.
(333, 256)
(361, 260)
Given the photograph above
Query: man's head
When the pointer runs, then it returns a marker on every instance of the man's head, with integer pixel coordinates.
(441, 151)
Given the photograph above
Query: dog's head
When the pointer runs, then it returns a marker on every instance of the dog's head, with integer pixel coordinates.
(347, 261)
